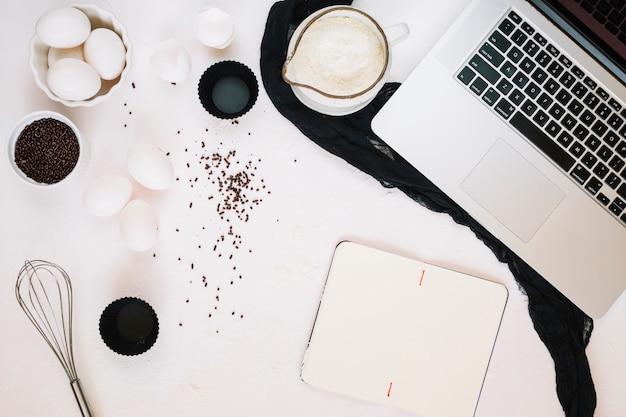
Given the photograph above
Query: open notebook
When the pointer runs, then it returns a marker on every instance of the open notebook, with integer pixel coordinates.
(401, 332)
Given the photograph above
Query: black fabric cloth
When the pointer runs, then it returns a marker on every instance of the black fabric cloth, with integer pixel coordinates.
(564, 329)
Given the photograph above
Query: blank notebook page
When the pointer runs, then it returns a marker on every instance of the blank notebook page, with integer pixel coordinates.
(401, 332)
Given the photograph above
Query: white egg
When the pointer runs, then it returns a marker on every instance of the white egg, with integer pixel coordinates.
(107, 195)
(214, 27)
(105, 51)
(171, 61)
(73, 79)
(149, 166)
(55, 54)
(63, 27)
(139, 225)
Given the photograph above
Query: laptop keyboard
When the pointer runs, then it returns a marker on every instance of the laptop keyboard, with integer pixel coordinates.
(527, 81)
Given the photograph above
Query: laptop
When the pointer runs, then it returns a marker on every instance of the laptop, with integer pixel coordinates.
(403, 333)
(518, 113)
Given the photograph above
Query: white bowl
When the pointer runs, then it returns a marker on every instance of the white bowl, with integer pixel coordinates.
(38, 60)
(30, 118)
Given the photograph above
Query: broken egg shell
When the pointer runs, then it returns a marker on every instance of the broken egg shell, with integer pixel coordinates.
(214, 27)
(171, 61)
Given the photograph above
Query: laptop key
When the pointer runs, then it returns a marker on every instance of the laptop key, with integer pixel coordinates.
(539, 76)
(517, 97)
(504, 108)
(508, 69)
(568, 122)
(518, 37)
(565, 139)
(541, 118)
(466, 75)
(567, 79)
(478, 86)
(515, 55)
(515, 17)
(504, 86)
(529, 107)
(491, 96)
(542, 141)
(601, 170)
(555, 69)
(612, 180)
(603, 111)
(589, 160)
(617, 206)
(506, 27)
(500, 41)
(617, 163)
(520, 79)
(484, 69)
(621, 149)
(621, 191)
(491, 55)
(563, 96)
(593, 186)
(577, 149)
(527, 65)
(532, 90)
(580, 174)
(592, 143)
(603, 199)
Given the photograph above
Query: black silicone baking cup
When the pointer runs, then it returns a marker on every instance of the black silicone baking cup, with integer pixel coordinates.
(228, 89)
(129, 326)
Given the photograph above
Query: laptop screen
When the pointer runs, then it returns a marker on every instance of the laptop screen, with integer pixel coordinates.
(600, 28)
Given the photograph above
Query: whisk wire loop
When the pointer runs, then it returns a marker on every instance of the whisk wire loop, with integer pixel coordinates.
(44, 291)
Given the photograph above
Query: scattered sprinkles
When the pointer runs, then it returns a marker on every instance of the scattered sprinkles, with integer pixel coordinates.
(232, 186)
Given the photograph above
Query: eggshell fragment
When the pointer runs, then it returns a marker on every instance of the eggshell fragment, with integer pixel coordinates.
(73, 79)
(63, 27)
(107, 195)
(149, 166)
(139, 225)
(105, 51)
(171, 61)
(214, 27)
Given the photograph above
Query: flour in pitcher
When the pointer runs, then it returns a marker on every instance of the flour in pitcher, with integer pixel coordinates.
(340, 55)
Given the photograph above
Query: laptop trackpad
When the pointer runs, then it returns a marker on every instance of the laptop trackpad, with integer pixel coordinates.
(515, 192)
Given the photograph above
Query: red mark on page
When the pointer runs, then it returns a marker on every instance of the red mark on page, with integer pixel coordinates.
(389, 390)
(422, 277)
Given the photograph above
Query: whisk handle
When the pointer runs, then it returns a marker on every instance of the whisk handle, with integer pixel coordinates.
(81, 399)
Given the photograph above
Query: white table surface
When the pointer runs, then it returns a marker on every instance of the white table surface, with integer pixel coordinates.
(245, 359)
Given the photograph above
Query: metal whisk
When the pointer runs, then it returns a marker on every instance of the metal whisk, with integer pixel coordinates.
(44, 292)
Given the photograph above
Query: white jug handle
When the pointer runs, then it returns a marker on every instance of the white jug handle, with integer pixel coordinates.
(396, 33)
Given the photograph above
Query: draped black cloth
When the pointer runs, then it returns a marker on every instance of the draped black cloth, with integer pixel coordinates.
(564, 329)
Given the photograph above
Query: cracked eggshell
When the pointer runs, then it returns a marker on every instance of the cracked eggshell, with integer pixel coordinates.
(214, 27)
(149, 166)
(139, 225)
(107, 195)
(171, 61)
